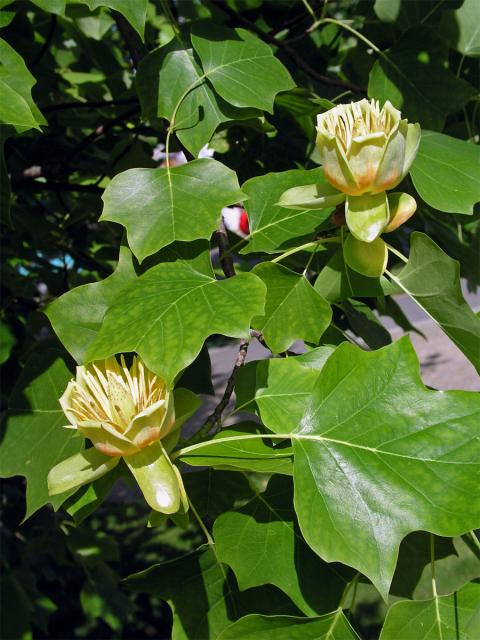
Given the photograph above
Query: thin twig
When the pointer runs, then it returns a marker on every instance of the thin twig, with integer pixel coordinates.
(100, 131)
(226, 259)
(216, 415)
(87, 105)
(47, 43)
(135, 46)
(34, 185)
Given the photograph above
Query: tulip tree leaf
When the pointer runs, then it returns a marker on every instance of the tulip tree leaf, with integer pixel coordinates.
(371, 430)
(445, 173)
(452, 617)
(16, 106)
(332, 626)
(246, 455)
(168, 312)
(77, 316)
(432, 279)
(271, 226)
(241, 68)
(279, 387)
(293, 309)
(262, 545)
(202, 594)
(159, 206)
(416, 81)
(34, 440)
(135, 11)
(163, 81)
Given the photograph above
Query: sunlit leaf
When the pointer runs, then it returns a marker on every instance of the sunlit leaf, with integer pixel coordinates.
(241, 68)
(293, 309)
(159, 206)
(445, 173)
(168, 312)
(370, 430)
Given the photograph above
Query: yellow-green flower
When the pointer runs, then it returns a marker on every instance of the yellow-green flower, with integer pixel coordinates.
(126, 412)
(120, 409)
(365, 149)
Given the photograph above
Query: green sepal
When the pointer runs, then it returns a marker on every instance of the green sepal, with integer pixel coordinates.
(80, 469)
(367, 216)
(368, 258)
(159, 480)
(311, 196)
(402, 207)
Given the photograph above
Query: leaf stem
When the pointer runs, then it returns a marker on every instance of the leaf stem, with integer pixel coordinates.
(202, 525)
(434, 586)
(398, 253)
(343, 25)
(307, 245)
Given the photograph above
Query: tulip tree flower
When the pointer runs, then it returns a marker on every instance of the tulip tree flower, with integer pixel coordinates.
(365, 152)
(129, 413)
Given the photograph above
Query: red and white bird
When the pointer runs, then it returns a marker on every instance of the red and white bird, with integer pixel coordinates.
(236, 220)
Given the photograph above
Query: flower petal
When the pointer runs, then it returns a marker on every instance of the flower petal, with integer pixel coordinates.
(414, 133)
(367, 216)
(368, 258)
(106, 438)
(402, 207)
(311, 196)
(335, 164)
(80, 469)
(158, 479)
(390, 171)
(364, 158)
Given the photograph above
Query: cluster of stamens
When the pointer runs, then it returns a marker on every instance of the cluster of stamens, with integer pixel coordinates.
(349, 121)
(114, 393)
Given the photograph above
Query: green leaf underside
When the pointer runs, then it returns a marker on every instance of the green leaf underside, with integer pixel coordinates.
(432, 279)
(196, 113)
(202, 594)
(77, 316)
(245, 455)
(159, 206)
(262, 545)
(381, 454)
(456, 564)
(333, 626)
(272, 226)
(445, 173)
(452, 617)
(293, 309)
(34, 439)
(168, 312)
(241, 68)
